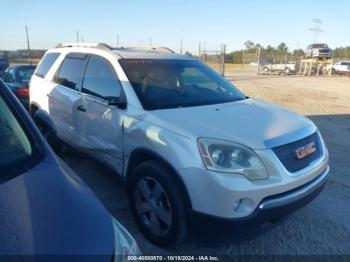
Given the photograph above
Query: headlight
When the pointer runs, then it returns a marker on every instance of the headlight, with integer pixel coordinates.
(229, 157)
(124, 244)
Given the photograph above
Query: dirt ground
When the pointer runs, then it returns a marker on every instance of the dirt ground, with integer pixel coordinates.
(320, 228)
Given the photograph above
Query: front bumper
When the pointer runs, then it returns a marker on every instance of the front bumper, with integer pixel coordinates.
(322, 55)
(230, 196)
(270, 209)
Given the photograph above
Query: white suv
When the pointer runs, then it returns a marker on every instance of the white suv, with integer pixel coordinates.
(193, 149)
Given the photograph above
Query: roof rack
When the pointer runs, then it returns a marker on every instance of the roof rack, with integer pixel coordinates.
(144, 49)
(101, 46)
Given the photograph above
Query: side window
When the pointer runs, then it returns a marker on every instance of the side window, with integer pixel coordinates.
(71, 71)
(46, 64)
(100, 79)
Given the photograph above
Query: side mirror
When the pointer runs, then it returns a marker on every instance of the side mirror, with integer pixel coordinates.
(118, 101)
(45, 124)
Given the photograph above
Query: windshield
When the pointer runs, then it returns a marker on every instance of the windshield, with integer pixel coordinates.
(177, 83)
(320, 46)
(16, 151)
(24, 74)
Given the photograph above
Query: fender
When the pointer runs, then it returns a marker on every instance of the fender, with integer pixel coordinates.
(143, 154)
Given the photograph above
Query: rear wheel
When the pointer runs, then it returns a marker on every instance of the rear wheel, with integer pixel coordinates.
(157, 204)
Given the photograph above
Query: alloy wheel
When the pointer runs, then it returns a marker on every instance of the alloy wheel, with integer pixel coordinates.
(153, 206)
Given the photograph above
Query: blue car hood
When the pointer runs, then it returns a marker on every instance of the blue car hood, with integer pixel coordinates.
(47, 211)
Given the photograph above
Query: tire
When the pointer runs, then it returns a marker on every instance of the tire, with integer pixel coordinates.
(287, 71)
(266, 70)
(162, 218)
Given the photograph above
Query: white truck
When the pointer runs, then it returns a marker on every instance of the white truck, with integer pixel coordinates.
(287, 68)
(341, 67)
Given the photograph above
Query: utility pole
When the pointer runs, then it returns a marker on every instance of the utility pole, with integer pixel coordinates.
(316, 29)
(77, 32)
(199, 50)
(182, 33)
(28, 46)
(223, 52)
(258, 62)
(150, 41)
(204, 52)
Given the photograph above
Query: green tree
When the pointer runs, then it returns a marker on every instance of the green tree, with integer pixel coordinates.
(282, 47)
(249, 45)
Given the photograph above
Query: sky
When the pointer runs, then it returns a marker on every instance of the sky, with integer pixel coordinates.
(215, 22)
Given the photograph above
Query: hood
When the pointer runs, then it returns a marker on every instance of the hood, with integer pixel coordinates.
(251, 122)
(47, 211)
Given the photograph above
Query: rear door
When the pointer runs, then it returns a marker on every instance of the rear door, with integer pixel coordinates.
(40, 86)
(100, 124)
(65, 97)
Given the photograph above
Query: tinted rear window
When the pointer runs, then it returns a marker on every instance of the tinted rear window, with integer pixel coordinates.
(46, 64)
(71, 71)
(25, 73)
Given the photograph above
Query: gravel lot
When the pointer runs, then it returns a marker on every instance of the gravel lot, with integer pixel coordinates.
(322, 227)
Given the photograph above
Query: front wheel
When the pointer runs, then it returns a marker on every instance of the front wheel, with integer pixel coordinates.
(157, 204)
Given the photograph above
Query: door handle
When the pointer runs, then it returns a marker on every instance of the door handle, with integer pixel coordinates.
(81, 108)
(49, 96)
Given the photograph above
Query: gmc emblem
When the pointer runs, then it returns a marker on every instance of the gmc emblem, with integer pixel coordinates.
(304, 151)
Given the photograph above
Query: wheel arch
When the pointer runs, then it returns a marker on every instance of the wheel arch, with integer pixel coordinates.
(141, 155)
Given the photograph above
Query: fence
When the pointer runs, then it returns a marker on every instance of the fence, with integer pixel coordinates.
(214, 58)
(278, 61)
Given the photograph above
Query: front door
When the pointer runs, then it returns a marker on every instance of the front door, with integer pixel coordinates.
(100, 125)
